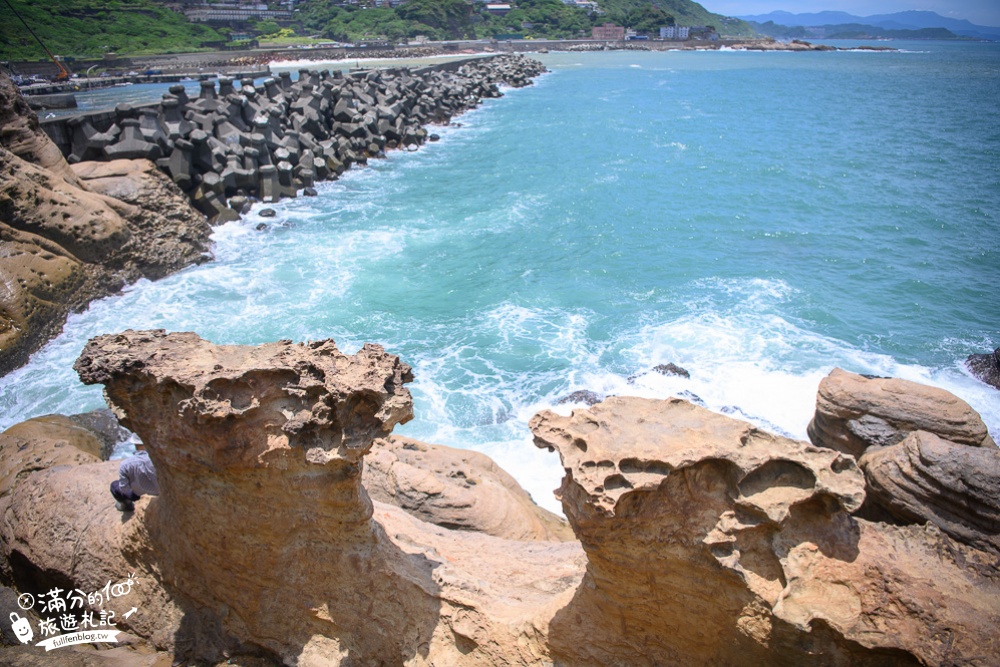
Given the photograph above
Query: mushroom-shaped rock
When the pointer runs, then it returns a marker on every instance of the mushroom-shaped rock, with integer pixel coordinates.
(711, 542)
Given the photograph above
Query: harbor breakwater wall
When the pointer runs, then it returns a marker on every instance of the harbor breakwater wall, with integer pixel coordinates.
(94, 202)
(236, 141)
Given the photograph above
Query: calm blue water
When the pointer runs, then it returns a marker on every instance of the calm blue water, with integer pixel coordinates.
(757, 218)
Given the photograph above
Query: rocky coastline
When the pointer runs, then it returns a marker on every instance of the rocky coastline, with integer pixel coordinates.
(293, 528)
(69, 235)
(133, 193)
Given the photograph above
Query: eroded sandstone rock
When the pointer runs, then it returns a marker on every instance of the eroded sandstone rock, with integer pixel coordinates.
(928, 479)
(167, 234)
(44, 442)
(43, 281)
(703, 539)
(266, 533)
(854, 412)
(711, 542)
(36, 200)
(456, 488)
(63, 243)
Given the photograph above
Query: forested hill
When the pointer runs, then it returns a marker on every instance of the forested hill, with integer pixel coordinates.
(89, 28)
(454, 19)
(93, 27)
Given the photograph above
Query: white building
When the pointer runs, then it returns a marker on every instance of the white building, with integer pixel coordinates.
(675, 32)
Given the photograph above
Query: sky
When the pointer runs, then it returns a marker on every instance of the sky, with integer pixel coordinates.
(980, 12)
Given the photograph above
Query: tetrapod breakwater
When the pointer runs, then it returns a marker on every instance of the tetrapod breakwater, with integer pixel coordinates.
(238, 141)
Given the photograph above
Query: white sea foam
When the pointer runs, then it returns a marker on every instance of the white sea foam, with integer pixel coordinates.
(471, 259)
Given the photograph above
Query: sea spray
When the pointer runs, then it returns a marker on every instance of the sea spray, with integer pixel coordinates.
(755, 218)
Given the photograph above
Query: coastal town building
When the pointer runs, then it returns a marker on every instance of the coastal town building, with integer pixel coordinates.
(608, 32)
(499, 9)
(675, 32)
(587, 5)
(236, 12)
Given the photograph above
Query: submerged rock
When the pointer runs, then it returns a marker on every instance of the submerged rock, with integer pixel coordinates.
(985, 367)
(584, 396)
(671, 369)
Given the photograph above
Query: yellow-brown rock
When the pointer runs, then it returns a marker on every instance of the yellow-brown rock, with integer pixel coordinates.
(22, 135)
(42, 281)
(854, 412)
(702, 539)
(927, 479)
(711, 542)
(44, 442)
(40, 201)
(167, 233)
(456, 488)
(264, 529)
(65, 240)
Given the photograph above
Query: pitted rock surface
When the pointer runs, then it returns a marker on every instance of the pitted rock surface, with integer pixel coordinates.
(711, 542)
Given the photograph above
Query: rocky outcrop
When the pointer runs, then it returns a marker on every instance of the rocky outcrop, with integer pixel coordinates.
(165, 232)
(63, 243)
(270, 439)
(926, 479)
(456, 488)
(854, 412)
(986, 367)
(710, 542)
(703, 540)
(45, 442)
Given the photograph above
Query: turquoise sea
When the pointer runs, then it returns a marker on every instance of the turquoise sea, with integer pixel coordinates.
(756, 218)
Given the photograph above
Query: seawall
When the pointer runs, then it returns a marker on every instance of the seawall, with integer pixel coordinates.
(264, 142)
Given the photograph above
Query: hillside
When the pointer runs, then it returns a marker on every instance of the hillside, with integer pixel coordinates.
(89, 28)
(849, 31)
(684, 12)
(454, 19)
(78, 28)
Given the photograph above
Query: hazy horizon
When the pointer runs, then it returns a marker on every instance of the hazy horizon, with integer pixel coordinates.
(980, 12)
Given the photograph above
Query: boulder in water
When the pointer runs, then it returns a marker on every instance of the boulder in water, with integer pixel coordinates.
(986, 367)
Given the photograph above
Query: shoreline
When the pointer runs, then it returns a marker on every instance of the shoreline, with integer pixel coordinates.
(226, 149)
(661, 497)
(238, 64)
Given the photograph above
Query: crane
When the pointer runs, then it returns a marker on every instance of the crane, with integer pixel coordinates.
(64, 73)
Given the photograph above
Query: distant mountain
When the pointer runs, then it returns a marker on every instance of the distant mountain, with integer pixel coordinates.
(911, 20)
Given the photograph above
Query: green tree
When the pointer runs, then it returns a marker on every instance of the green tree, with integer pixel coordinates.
(451, 17)
(266, 28)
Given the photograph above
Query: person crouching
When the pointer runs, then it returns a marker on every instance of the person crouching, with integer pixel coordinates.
(136, 478)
